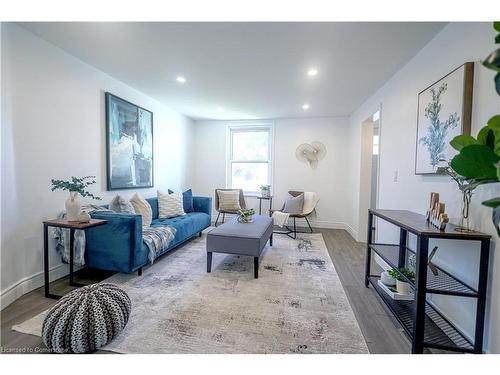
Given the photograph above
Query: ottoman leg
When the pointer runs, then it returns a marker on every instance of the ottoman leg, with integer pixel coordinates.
(256, 267)
(209, 262)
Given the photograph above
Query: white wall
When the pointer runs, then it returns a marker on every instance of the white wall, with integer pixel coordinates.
(456, 44)
(53, 127)
(328, 180)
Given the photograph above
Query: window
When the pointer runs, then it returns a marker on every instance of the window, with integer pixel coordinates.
(249, 157)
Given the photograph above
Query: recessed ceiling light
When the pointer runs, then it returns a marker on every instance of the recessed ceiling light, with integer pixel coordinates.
(312, 72)
(180, 79)
(305, 107)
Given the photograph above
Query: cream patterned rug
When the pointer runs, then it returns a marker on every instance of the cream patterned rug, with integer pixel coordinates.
(297, 305)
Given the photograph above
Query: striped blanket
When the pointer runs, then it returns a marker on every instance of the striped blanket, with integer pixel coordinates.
(61, 238)
(157, 239)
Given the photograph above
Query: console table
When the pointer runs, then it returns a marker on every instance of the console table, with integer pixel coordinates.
(425, 325)
(71, 225)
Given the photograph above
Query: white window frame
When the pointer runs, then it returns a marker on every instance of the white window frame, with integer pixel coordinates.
(234, 127)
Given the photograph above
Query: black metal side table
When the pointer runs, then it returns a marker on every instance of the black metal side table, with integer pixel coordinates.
(71, 225)
(270, 199)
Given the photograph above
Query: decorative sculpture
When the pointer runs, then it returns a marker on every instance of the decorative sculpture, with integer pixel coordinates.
(435, 214)
(311, 153)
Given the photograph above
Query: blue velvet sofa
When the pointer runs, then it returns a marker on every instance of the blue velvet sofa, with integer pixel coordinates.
(118, 246)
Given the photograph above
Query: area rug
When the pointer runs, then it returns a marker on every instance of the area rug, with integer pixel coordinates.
(297, 305)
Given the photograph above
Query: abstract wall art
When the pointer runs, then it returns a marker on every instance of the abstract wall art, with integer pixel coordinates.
(444, 111)
(129, 144)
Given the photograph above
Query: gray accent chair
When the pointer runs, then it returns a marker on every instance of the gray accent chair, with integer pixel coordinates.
(292, 233)
(224, 212)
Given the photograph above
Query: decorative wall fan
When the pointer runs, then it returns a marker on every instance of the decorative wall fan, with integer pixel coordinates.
(311, 153)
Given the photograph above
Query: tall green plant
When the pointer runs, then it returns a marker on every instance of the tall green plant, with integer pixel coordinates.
(478, 159)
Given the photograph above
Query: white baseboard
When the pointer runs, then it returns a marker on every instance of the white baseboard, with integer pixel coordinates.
(318, 224)
(29, 283)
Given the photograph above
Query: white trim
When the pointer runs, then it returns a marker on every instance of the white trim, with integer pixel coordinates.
(326, 224)
(29, 283)
(235, 126)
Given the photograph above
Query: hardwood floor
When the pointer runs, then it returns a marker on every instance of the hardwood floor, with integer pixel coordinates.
(382, 333)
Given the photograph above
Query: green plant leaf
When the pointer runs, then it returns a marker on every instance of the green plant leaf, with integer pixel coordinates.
(497, 39)
(493, 203)
(483, 135)
(460, 141)
(493, 60)
(497, 83)
(496, 26)
(487, 136)
(494, 122)
(476, 161)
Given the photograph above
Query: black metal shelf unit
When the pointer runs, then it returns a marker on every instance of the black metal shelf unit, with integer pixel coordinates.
(425, 325)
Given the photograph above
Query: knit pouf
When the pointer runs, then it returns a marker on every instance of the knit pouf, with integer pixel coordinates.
(86, 319)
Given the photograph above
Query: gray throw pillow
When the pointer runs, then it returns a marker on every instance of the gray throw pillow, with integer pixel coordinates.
(294, 205)
(120, 204)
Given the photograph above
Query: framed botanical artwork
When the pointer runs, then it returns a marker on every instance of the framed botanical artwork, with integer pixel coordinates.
(444, 111)
(129, 144)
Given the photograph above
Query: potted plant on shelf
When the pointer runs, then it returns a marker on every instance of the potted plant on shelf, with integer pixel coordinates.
(387, 279)
(402, 286)
(265, 190)
(245, 216)
(76, 186)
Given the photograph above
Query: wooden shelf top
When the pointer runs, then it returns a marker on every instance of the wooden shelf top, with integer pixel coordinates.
(417, 224)
(74, 224)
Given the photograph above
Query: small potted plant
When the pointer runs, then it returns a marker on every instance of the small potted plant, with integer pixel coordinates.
(265, 190)
(402, 286)
(76, 186)
(387, 279)
(245, 216)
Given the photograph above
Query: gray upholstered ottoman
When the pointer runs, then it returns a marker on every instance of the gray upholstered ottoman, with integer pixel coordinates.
(241, 239)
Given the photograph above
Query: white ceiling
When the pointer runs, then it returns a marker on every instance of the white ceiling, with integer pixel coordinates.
(251, 70)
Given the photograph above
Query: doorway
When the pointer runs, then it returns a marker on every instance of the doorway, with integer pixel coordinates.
(369, 171)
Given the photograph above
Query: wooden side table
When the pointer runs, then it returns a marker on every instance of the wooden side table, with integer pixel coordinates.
(71, 225)
(270, 199)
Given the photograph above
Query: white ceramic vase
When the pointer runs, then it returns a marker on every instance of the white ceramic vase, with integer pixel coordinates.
(73, 206)
(403, 287)
(387, 279)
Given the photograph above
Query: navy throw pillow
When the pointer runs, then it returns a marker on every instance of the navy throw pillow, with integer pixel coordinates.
(187, 200)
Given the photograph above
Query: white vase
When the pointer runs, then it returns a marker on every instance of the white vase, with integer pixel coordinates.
(73, 206)
(387, 279)
(403, 287)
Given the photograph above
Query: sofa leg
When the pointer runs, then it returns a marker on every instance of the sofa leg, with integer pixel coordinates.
(139, 272)
(199, 234)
